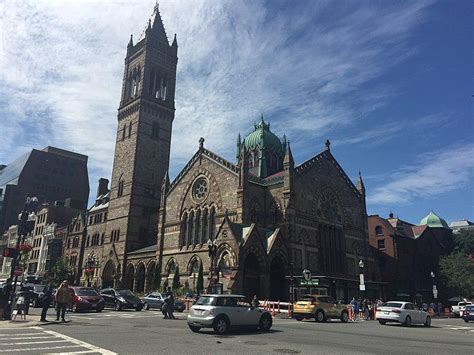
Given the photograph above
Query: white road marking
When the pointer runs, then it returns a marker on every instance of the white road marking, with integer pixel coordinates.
(78, 342)
(40, 348)
(36, 342)
(6, 335)
(31, 338)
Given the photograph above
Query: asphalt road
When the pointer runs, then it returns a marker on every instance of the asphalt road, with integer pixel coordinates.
(130, 332)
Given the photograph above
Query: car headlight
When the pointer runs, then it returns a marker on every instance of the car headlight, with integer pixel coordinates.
(121, 299)
(212, 312)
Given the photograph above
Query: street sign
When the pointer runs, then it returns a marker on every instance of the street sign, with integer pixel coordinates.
(362, 287)
(435, 293)
(18, 271)
(313, 282)
(307, 274)
(362, 279)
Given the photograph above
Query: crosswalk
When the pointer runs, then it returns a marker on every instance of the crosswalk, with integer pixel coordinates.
(456, 327)
(44, 341)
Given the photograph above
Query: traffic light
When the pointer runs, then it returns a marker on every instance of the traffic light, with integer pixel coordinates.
(9, 253)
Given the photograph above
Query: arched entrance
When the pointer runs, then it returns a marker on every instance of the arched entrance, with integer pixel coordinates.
(140, 278)
(108, 275)
(129, 276)
(278, 283)
(150, 277)
(251, 276)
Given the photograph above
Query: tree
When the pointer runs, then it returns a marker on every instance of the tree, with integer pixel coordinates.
(458, 269)
(464, 241)
(200, 280)
(176, 283)
(61, 271)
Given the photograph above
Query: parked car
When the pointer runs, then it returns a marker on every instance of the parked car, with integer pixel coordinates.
(153, 300)
(121, 298)
(319, 308)
(468, 313)
(222, 312)
(402, 312)
(86, 299)
(457, 310)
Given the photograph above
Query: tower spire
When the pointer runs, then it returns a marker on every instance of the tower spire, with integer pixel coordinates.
(360, 185)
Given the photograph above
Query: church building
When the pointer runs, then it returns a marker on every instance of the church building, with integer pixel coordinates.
(264, 217)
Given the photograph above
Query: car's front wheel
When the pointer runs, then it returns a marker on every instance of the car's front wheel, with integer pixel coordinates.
(221, 325)
(299, 319)
(118, 306)
(265, 323)
(428, 322)
(194, 328)
(382, 322)
(320, 316)
(344, 317)
(466, 320)
(407, 321)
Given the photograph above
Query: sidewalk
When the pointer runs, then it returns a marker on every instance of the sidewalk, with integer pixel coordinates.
(31, 321)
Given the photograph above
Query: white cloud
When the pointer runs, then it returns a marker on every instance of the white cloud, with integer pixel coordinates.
(435, 174)
(61, 66)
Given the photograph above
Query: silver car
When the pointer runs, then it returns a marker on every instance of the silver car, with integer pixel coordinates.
(153, 300)
(221, 312)
(402, 312)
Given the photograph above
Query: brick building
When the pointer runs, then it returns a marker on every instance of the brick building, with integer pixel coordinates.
(406, 254)
(268, 216)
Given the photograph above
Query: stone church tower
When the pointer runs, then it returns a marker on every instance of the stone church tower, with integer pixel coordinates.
(142, 148)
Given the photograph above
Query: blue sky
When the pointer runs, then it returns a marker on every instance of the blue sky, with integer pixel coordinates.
(388, 82)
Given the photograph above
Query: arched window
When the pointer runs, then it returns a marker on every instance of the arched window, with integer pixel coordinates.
(205, 227)
(151, 87)
(251, 160)
(212, 224)
(123, 132)
(378, 230)
(197, 228)
(136, 76)
(130, 130)
(194, 265)
(120, 187)
(171, 267)
(184, 227)
(189, 238)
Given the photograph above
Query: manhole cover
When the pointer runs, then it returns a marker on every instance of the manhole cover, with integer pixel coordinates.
(286, 351)
(253, 342)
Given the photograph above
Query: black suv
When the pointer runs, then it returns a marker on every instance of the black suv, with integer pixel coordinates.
(121, 298)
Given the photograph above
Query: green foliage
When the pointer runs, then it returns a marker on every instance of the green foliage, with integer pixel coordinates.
(176, 283)
(464, 241)
(61, 271)
(200, 280)
(458, 269)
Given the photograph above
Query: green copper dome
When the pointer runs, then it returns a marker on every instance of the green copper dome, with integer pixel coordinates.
(434, 221)
(263, 138)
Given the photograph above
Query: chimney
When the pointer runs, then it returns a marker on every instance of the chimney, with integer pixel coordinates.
(103, 187)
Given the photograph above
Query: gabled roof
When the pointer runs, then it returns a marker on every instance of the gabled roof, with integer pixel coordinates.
(326, 154)
(211, 156)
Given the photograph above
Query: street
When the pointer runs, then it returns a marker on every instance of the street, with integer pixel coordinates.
(129, 332)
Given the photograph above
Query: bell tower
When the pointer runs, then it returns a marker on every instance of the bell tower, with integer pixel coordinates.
(142, 147)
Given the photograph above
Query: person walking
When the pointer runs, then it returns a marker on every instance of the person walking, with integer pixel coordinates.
(169, 300)
(45, 301)
(62, 300)
(20, 307)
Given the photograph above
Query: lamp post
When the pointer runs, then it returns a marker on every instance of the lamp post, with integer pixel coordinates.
(212, 248)
(361, 276)
(89, 270)
(433, 281)
(26, 221)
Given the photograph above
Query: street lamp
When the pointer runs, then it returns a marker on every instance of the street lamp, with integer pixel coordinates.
(26, 221)
(435, 290)
(89, 271)
(361, 271)
(212, 248)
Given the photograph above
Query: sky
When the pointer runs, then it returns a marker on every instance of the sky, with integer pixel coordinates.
(389, 83)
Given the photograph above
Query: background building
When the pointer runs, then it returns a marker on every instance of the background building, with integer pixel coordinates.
(462, 224)
(51, 174)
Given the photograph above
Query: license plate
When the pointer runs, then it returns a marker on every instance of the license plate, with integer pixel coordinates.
(386, 312)
(199, 312)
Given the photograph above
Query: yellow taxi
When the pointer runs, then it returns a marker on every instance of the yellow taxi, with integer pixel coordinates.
(320, 308)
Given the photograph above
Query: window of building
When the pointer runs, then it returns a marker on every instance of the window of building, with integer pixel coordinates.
(381, 244)
(120, 188)
(123, 133)
(378, 230)
(130, 130)
(155, 130)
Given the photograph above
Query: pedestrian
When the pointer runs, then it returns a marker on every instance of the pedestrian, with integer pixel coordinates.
(440, 308)
(169, 300)
(62, 299)
(45, 301)
(20, 307)
(255, 301)
(355, 309)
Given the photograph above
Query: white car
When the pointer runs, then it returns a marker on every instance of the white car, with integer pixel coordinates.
(459, 309)
(221, 312)
(402, 312)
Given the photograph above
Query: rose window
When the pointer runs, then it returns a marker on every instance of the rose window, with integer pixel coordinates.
(200, 189)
